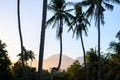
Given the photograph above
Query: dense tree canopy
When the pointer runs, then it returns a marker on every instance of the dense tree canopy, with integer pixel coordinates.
(4, 63)
(74, 71)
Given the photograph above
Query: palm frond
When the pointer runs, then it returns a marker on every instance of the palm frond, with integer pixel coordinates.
(68, 4)
(51, 7)
(84, 3)
(118, 35)
(75, 31)
(69, 10)
(90, 11)
(54, 23)
(70, 16)
(112, 44)
(116, 1)
(51, 20)
(108, 6)
(86, 22)
(102, 18)
(115, 46)
(66, 20)
(73, 22)
(84, 29)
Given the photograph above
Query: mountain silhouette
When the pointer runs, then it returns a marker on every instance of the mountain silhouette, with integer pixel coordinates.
(52, 61)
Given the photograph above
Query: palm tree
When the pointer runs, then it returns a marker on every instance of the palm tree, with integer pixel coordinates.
(96, 9)
(60, 16)
(5, 63)
(31, 56)
(20, 34)
(28, 55)
(80, 23)
(115, 46)
(42, 39)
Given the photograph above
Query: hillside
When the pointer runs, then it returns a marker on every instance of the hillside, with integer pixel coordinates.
(52, 61)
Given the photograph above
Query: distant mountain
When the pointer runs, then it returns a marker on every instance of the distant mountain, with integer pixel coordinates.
(52, 61)
(80, 59)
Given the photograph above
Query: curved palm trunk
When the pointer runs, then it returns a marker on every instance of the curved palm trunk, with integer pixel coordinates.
(99, 60)
(42, 39)
(86, 76)
(60, 58)
(21, 40)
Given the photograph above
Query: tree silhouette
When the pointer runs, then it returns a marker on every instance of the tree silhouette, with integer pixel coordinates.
(4, 63)
(60, 16)
(96, 9)
(20, 34)
(73, 71)
(42, 39)
(80, 23)
(92, 61)
(28, 55)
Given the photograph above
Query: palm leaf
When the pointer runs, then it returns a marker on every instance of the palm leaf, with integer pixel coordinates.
(116, 1)
(90, 11)
(51, 20)
(108, 6)
(118, 35)
(51, 7)
(84, 3)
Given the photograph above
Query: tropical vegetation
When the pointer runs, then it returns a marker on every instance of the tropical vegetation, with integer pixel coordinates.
(96, 66)
(110, 64)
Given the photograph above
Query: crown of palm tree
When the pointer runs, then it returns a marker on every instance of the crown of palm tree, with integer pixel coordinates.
(80, 21)
(96, 7)
(60, 14)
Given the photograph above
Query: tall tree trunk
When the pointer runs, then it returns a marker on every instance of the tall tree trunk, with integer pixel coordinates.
(99, 55)
(21, 40)
(42, 39)
(60, 58)
(86, 76)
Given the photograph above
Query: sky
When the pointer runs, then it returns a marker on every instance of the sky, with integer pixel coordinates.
(31, 16)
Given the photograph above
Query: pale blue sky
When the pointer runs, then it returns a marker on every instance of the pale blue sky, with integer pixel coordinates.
(31, 12)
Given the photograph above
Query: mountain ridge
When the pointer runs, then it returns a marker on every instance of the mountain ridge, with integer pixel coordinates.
(52, 61)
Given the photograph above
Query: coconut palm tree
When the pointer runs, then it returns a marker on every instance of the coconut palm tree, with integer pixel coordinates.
(20, 34)
(42, 39)
(80, 23)
(61, 15)
(31, 56)
(28, 55)
(96, 9)
(115, 46)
